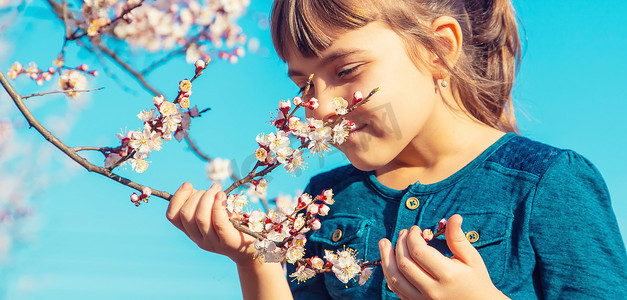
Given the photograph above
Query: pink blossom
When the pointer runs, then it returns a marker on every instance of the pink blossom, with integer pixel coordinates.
(135, 198)
(312, 104)
(297, 101)
(193, 112)
(83, 68)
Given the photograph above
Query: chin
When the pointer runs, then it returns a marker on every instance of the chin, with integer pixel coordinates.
(365, 164)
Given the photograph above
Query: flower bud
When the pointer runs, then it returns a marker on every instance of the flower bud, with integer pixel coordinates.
(239, 51)
(134, 198)
(184, 102)
(83, 68)
(297, 101)
(146, 192)
(427, 234)
(312, 103)
(315, 225)
(284, 106)
(442, 225)
(185, 85)
(158, 100)
(357, 97)
(200, 65)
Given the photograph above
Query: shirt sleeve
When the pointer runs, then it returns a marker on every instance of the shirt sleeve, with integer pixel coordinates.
(579, 250)
(313, 288)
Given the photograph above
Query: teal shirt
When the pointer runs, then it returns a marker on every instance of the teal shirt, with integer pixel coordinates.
(542, 215)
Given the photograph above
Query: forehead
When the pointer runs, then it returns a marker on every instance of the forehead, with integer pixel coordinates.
(310, 26)
(373, 38)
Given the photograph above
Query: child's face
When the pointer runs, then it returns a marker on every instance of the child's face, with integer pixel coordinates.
(361, 60)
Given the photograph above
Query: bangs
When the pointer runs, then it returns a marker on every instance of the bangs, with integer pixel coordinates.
(310, 26)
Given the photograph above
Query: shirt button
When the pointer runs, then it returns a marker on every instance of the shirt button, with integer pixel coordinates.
(472, 236)
(412, 203)
(337, 235)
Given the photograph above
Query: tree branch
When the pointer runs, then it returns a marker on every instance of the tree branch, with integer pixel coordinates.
(64, 91)
(32, 121)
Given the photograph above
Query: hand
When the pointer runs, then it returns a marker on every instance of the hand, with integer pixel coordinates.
(419, 271)
(203, 217)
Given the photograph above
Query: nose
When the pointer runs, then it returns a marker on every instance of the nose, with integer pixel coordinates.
(325, 111)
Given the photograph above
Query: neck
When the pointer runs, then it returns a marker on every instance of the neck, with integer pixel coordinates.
(448, 141)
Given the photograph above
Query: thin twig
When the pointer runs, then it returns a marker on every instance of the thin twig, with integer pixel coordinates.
(100, 149)
(163, 60)
(17, 99)
(64, 91)
(138, 76)
(362, 265)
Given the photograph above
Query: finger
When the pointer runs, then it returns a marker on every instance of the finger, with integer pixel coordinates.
(187, 214)
(176, 202)
(415, 274)
(203, 212)
(458, 244)
(395, 280)
(427, 257)
(220, 219)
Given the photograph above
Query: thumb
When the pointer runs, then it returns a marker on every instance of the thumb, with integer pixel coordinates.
(457, 242)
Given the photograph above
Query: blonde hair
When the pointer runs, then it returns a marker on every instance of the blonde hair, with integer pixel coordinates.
(482, 77)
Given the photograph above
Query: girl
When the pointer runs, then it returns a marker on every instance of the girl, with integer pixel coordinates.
(438, 141)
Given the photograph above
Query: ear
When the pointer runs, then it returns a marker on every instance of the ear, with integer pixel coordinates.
(449, 39)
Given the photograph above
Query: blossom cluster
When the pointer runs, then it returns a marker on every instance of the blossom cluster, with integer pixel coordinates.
(70, 79)
(283, 234)
(164, 24)
(343, 264)
(428, 234)
(137, 199)
(161, 123)
(313, 134)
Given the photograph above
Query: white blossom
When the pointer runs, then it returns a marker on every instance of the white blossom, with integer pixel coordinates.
(236, 203)
(219, 169)
(364, 275)
(303, 273)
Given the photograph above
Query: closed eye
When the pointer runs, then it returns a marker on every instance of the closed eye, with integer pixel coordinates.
(347, 72)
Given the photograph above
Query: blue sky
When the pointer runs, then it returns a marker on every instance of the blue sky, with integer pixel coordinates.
(93, 243)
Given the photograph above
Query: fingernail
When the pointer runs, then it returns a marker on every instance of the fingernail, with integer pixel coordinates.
(382, 243)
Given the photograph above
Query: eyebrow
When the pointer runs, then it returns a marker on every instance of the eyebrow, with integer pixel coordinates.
(327, 59)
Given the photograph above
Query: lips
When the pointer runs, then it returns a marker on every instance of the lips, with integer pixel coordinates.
(356, 130)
